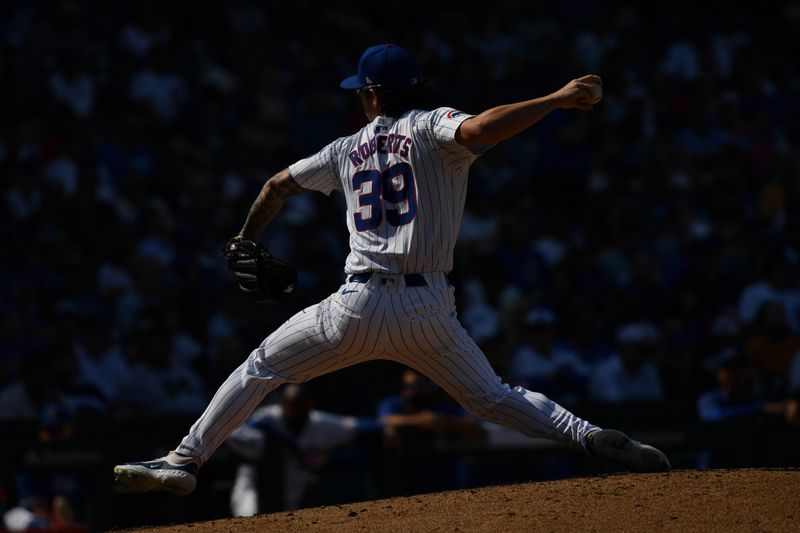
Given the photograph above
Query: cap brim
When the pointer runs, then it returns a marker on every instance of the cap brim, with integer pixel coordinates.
(351, 83)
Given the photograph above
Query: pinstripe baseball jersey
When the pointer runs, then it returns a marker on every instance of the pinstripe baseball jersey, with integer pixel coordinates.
(405, 183)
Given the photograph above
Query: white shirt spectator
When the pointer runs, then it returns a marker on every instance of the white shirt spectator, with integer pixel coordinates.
(612, 383)
(322, 432)
(19, 519)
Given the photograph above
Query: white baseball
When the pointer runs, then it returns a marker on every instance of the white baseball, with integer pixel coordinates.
(597, 92)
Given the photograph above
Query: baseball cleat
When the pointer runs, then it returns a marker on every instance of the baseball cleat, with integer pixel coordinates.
(617, 447)
(160, 475)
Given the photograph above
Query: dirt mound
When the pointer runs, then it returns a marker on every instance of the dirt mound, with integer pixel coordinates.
(715, 500)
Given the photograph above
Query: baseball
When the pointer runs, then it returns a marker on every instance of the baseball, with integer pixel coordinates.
(597, 93)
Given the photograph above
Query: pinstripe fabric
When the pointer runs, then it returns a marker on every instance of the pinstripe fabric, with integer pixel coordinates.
(440, 166)
(416, 326)
(384, 319)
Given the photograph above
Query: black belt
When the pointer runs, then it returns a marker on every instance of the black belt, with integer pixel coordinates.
(412, 280)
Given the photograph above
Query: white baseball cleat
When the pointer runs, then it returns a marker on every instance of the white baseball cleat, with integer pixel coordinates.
(159, 474)
(617, 447)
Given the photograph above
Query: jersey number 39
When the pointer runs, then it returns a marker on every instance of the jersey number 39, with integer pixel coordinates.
(395, 187)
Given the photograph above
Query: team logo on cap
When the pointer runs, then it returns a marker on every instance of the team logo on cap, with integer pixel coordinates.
(453, 113)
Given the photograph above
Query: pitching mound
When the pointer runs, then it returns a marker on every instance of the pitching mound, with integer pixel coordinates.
(716, 500)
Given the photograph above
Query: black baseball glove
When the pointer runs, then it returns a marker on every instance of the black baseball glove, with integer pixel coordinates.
(262, 277)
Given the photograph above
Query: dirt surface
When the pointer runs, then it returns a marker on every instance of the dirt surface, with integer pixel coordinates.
(714, 500)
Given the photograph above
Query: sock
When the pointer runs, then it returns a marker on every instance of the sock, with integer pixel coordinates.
(180, 459)
(590, 439)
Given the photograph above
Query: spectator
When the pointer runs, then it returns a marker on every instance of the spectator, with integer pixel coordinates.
(628, 375)
(23, 399)
(725, 332)
(16, 402)
(734, 405)
(124, 126)
(75, 90)
(780, 285)
(32, 513)
(736, 394)
(308, 440)
(415, 421)
(687, 234)
(45, 503)
(541, 365)
(162, 89)
(157, 380)
(771, 347)
(479, 318)
(420, 412)
(101, 363)
(70, 391)
(140, 37)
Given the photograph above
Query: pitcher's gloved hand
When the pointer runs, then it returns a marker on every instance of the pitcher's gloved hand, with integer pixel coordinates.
(262, 278)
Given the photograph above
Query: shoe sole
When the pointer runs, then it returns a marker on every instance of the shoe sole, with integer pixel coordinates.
(141, 479)
(637, 457)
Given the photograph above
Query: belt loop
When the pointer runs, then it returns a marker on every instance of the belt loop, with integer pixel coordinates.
(362, 277)
(415, 280)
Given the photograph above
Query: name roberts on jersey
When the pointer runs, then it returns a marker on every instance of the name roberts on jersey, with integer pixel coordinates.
(405, 181)
(382, 144)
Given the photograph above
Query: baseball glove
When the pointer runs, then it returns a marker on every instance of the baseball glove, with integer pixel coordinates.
(262, 278)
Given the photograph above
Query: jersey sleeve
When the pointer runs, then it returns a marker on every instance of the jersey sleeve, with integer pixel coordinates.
(339, 430)
(441, 125)
(319, 171)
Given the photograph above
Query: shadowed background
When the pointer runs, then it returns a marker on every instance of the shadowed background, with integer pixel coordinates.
(637, 263)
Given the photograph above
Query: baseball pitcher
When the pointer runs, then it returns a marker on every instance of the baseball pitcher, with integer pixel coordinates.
(404, 177)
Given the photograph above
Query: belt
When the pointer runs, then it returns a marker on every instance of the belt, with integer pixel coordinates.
(412, 280)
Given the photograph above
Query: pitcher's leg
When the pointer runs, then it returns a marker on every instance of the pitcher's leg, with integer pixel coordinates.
(323, 338)
(230, 407)
(304, 347)
(441, 349)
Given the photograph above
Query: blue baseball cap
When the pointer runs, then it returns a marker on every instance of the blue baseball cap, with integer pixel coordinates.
(387, 65)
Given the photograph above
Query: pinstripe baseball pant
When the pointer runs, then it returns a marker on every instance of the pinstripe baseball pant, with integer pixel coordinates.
(381, 319)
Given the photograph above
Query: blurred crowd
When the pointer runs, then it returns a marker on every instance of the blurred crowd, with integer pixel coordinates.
(636, 252)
